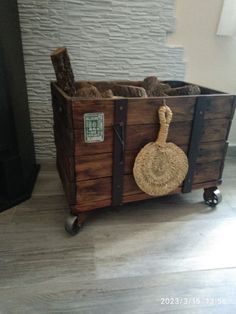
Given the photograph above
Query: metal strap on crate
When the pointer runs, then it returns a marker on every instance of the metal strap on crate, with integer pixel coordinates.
(119, 128)
(195, 137)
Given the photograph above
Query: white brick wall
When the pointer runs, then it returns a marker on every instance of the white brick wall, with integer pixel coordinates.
(107, 39)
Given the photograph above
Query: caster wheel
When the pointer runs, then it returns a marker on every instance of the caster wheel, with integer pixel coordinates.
(212, 197)
(73, 224)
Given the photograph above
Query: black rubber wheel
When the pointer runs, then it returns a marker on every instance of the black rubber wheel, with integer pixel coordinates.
(72, 224)
(212, 197)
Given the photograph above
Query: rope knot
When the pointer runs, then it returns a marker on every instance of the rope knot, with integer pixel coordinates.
(165, 117)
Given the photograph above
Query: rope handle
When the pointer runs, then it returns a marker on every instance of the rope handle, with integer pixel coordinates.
(165, 117)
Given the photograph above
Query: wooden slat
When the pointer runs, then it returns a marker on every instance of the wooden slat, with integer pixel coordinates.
(215, 130)
(209, 152)
(62, 106)
(68, 164)
(143, 196)
(95, 190)
(96, 105)
(140, 111)
(68, 185)
(64, 139)
(232, 115)
(137, 197)
(220, 106)
(94, 166)
(100, 165)
(205, 172)
(138, 136)
(84, 149)
(90, 205)
(144, 110)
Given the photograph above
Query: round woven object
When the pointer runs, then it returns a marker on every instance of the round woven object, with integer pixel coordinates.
(160, 167)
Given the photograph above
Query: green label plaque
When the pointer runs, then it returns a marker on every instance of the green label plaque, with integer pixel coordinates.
(94, 127)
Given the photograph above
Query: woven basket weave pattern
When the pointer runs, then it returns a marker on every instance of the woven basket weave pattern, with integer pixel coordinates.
(160, 167)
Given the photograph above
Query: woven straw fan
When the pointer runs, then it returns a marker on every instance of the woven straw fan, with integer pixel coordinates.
(160, 167)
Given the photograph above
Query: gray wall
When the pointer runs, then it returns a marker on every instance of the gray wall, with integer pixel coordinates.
(106, 39)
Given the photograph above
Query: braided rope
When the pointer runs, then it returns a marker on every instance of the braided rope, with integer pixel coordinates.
(165, 117)
(160, 167)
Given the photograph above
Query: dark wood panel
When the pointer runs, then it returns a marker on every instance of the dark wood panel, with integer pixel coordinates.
(100, 189)
(219, 106)
(143, 196)
(100, 165)
(68, 164)
(139, 135)
(83, 149)
(136, 138)
(68, 185)
(215, 130)
(140, 110)
(81, 107)
(204, 172)
(62, 106)
(94, 166)
(90, 205)
(207, 171)
(211, 151)
(145, 110)
(94, 190)
(64, 139)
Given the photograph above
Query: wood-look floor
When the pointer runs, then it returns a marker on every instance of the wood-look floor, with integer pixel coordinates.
(128, 260)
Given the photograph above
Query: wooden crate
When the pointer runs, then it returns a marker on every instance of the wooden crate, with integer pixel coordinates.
(91, 173)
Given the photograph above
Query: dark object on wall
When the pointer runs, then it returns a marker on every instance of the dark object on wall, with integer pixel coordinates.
(98, 173)
(18, 169)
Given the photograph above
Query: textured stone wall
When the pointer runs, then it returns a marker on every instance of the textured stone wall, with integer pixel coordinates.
(106, 39)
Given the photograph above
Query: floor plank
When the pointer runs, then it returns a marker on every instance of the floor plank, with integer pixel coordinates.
(126, 260)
